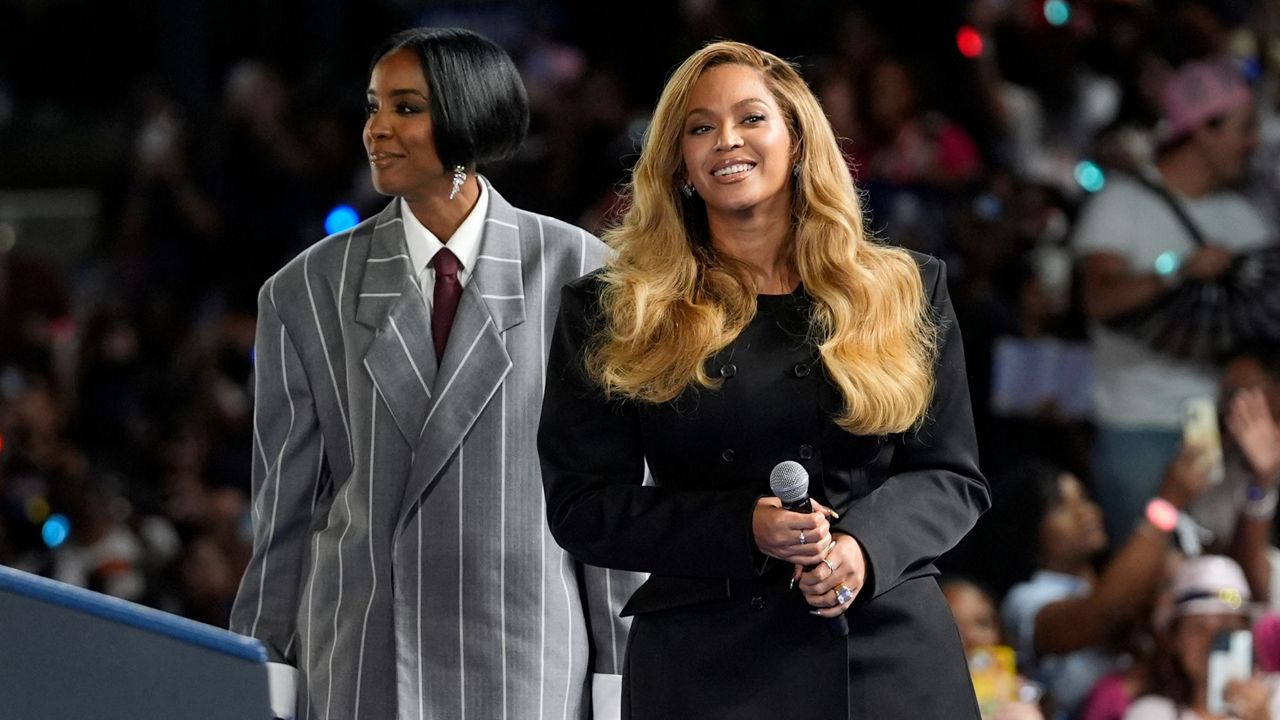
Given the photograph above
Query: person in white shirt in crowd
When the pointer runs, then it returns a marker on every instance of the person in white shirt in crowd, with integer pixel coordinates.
(1133, 248)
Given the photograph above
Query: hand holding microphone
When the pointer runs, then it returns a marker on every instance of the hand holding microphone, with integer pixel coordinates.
(832, 582)
(790, 526)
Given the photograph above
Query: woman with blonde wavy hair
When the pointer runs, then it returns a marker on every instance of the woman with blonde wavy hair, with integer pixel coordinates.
(746, 319)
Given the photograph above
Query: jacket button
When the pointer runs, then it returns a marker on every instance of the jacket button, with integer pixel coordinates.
(801, 370)
(728, 371)
(727, 455)
(757, 603)
(806, 452)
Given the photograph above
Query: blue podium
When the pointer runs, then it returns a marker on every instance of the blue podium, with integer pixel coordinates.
(67, 653)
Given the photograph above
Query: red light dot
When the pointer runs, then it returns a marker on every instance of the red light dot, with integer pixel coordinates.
(1, 442)
(969, 42)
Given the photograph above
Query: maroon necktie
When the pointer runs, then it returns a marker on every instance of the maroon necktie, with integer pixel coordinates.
(444, 301)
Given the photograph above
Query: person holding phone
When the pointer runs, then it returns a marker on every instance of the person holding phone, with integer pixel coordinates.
(1208, 604)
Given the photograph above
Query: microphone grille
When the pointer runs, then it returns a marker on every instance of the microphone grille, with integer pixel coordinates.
(789, 481)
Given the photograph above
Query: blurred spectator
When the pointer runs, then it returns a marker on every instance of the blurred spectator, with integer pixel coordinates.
(1210, 596)
(1205, 139)
(168, 225)
(1239, 511)
(1067, 619)
(979, 625)
(910, 160)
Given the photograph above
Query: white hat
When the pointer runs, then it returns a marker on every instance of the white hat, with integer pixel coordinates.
(1208, 585)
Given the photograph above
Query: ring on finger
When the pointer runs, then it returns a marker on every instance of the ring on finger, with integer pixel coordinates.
(802, 540)
(830, 565)
(843, 594)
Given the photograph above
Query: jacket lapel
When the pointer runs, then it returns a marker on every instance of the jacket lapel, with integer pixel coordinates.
(475, 360)
(401, 358)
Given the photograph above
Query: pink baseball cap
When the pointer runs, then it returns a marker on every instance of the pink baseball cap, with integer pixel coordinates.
(1197, 92)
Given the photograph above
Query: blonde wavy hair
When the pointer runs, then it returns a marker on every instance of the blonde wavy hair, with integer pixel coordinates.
(670, 300)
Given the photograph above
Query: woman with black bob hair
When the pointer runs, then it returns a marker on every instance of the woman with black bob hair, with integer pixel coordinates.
(393, 361)
(479, 108)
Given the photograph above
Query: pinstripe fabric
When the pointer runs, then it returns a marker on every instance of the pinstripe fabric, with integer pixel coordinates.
(401, 555)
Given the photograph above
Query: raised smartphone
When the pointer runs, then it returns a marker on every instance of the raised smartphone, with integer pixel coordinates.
(1200, 429)
(1230, 659)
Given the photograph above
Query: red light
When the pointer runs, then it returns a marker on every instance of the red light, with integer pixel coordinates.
(1, 443)
(969, 42)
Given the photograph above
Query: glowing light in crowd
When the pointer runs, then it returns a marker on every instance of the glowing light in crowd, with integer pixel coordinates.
(1090, 176)
(1057, 12)
(341, 218)
(55, 530)
(969, 42)
(1168, 262)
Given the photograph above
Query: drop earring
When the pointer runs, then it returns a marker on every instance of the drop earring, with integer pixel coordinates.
(687, 189)
(459, 177)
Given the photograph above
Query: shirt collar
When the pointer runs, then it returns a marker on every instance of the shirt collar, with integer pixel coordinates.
(465, 243)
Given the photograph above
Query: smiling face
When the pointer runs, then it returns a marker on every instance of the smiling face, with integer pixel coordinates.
(736, 144)
(398, 134)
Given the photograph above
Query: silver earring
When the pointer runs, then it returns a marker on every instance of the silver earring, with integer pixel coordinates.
(687, 189)
(795, 170)
(459, 177)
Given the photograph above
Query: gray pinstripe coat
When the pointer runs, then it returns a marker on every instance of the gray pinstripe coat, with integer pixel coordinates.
(401, 555)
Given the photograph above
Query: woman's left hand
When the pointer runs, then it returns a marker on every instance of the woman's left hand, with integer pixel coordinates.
(844, 565)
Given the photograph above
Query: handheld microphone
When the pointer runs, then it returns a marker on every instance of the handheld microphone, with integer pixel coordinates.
(789, 482)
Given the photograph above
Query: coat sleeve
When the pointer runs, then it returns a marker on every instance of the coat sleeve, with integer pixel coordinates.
(934, 491)
(288, 470)
(592, 457)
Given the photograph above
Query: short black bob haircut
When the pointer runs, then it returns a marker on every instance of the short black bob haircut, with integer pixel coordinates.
(479, 108)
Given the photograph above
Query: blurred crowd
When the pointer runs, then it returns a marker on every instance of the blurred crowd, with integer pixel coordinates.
(1000, 135)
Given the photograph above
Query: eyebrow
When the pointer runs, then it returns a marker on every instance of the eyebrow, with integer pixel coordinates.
(398, 93)
(740, 103)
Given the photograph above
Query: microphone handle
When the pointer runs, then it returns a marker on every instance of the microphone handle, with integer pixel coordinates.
(803, 505)
(838, 626)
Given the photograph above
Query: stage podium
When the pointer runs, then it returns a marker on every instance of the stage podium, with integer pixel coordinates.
(67, 653)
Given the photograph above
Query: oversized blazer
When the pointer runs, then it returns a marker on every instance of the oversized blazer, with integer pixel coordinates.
(401, 555)
(717, 632)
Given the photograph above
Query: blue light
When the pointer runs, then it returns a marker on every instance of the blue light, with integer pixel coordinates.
(1057, 12)
(1090, 176)
(1251, 69)
(55, 530)
(1168, 262)
(341, 218)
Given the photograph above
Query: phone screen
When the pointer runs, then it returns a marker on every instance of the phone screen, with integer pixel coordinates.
(1200, 430)
(1230, 659)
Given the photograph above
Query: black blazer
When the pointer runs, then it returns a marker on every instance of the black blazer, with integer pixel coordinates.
(907, 497)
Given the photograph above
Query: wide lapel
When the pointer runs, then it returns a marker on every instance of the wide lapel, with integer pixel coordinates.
(476, 359)
(401, 359)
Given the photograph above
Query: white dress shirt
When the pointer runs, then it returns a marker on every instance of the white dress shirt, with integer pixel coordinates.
(465, 243)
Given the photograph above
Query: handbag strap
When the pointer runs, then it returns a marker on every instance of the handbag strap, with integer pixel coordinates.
(1179, 211)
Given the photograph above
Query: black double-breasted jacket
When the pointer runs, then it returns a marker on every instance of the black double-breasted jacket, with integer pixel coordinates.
(717, 632)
